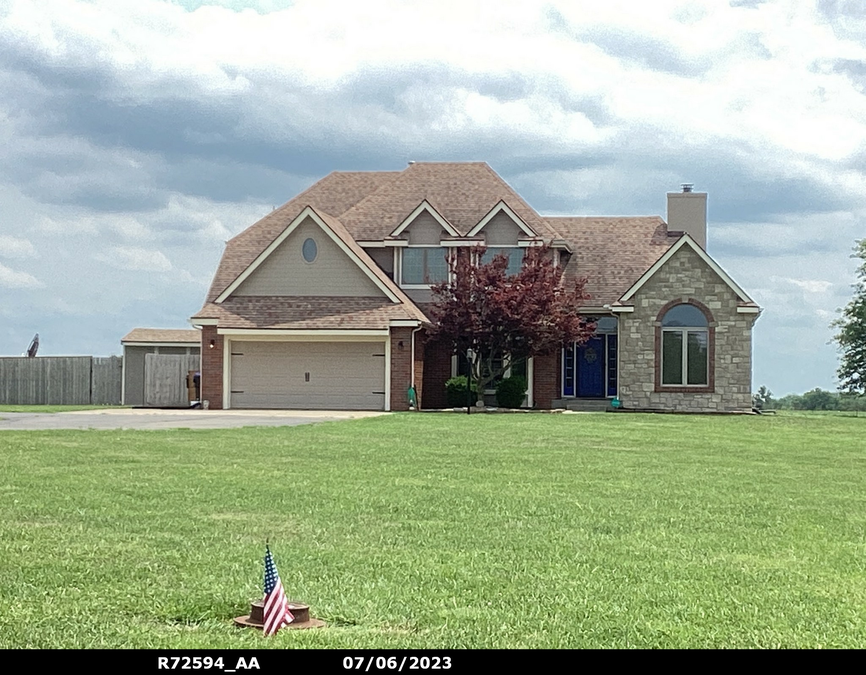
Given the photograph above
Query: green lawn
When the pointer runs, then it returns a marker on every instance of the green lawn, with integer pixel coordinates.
(438, 531)
(52, 408)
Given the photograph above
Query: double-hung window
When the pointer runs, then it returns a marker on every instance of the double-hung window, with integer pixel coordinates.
(685, 347)
(515, 257)
(424, 265)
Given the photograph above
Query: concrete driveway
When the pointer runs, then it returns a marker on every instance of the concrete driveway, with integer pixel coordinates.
(126, 418)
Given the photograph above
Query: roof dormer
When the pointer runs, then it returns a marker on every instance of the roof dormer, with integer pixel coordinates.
(502, 226)
(424, 226)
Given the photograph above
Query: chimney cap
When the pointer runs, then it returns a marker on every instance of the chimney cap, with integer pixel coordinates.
(687, 187)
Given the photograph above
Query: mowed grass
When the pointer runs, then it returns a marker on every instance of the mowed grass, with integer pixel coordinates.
(442, 531)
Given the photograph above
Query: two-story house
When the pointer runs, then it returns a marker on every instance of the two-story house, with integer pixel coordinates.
(321, 303)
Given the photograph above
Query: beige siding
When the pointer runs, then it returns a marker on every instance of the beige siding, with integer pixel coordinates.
(424, 230)
(308, 375)
(286, 273)
(502, 231)
(686, 276)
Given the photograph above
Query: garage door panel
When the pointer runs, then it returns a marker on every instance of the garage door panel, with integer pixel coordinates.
(308, 375)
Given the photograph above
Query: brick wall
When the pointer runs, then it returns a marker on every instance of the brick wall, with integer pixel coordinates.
(401, 367)
(686, 277)
(419, 367)
(212, 367)
(437, 371)
(545, 376)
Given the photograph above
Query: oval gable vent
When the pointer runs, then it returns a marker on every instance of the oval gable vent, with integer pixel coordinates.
(309, 250)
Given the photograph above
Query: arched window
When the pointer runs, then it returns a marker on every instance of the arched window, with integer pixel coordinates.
(685, 347)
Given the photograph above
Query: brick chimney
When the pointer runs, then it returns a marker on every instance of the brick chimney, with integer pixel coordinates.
(687, 212)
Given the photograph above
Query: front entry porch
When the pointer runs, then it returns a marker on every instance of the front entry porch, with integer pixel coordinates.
(589, 371)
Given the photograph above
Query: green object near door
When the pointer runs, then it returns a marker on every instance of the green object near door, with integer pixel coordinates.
(616, 403)
(413, 398)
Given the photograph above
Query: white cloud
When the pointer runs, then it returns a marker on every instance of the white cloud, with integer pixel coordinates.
(135, 259)
(16, 247)
(811, 285)
(143, 135)
(10, 278)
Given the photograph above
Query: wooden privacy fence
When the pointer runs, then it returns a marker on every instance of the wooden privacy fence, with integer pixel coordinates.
(165, 379)
(60, 380)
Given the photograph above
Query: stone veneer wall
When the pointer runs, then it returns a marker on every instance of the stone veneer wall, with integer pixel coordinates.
(685, 276)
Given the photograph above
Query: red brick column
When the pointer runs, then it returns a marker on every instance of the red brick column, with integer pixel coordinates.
(419, 366)
(545, 376)
(212, 367)
(401, 367)
(437, 371)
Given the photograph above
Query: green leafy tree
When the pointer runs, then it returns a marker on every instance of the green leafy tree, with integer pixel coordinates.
(818, 399)
(852, 332)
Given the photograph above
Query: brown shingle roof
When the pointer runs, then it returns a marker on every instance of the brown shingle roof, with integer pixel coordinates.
(611, 252)
(371, 204)
(305, 313)
(162, 335)
(462, 192)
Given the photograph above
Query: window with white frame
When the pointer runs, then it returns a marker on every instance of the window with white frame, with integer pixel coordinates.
(685, 347)
(423, 265)
(514, 255)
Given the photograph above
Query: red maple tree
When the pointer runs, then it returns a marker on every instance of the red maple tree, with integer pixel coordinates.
(506, 319)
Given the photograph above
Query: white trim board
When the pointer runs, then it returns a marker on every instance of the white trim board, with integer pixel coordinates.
(308, 212)
(501, 206)
(387, 405)
(261, 335)
(227, 373)
(685, 240)
(455, 243)
(190, 345)
(425, 206)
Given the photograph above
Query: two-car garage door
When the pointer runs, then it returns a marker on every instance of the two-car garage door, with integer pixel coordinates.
(308, 375)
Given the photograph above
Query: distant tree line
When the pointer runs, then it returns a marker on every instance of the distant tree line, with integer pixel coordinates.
(851, 339)
(817, 399)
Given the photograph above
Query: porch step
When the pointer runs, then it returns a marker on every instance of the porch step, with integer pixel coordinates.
(583, 404)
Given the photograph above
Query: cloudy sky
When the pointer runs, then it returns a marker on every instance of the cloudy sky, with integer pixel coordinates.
(138, 135)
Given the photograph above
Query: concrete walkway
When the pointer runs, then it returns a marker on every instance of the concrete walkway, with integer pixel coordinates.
(126, 418)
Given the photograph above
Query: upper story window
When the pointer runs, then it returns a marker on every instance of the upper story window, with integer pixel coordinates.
(515, 257)
(685, 347)
(423, 265)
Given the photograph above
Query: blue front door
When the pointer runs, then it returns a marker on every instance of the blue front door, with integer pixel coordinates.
(590, 367)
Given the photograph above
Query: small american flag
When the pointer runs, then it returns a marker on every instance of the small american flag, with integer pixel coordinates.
(277, 612)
